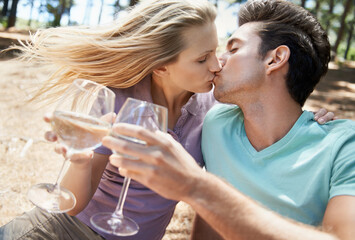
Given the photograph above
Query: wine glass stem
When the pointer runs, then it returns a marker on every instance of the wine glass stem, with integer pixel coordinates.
(57, 182)
(121, 200)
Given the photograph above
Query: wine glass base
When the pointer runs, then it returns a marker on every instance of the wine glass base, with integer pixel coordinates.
(48, 198)
(119, 226)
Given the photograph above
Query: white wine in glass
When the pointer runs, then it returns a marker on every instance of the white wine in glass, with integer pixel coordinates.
(83, 116)
(152, 117)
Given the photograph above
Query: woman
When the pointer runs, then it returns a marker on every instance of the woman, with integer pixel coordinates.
(164, 52)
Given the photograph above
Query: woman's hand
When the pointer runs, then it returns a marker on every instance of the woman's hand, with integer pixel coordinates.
(77, 158)
(323, 116)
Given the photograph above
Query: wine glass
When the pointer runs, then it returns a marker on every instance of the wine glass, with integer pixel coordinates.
(83, 116)
(152, 117)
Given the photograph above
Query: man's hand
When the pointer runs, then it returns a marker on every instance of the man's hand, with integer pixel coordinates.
(163, 165)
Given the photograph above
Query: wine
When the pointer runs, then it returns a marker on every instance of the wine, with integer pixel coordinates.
(78, 131)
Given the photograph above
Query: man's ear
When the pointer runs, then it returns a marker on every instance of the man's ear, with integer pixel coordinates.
(277, 58)
(161, 71)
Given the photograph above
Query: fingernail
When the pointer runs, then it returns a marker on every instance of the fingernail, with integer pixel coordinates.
(321, 120)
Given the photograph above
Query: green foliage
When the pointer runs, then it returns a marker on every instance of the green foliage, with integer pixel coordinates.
(351, 53)
(23, 24)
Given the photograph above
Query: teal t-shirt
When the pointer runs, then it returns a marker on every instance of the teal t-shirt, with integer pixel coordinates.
(295, 176)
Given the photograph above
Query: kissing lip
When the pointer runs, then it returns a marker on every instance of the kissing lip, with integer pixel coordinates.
(215, 77)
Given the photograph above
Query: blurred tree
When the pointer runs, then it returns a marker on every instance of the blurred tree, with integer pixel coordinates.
(117, 6)
(31, 3)
(100, 13)
(316, 8)
(12, 17)
(42, 9)
(340, 32)
(330, 15)
(86, 19)
(70, 5)
(303, 3)
(350, 33)
(133, 2)
(5, 8)
(58, 8)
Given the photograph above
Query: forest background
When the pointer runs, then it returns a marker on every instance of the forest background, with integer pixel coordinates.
(26, 158)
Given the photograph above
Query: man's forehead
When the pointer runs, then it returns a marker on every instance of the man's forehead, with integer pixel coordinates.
(243, 33)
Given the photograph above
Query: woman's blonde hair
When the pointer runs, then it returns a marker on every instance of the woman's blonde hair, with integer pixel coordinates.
(119, 55)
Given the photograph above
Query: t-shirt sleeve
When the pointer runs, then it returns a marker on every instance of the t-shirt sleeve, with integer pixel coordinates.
(342, 181)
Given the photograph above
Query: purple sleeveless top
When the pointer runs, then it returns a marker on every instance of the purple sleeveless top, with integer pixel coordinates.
(151, 211)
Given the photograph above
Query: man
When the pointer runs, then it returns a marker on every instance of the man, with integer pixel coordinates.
(292, 178)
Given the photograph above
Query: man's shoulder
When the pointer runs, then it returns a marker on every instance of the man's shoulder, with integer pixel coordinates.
(341, 126)
(339, 132)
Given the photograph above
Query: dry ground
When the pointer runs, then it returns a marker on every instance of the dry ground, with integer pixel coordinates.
(26, 159)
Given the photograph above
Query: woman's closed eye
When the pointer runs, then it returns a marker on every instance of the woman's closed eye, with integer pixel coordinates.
(203, 60)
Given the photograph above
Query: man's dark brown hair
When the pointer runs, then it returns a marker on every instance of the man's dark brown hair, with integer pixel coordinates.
(284, 23)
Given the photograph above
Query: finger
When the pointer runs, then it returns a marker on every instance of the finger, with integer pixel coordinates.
(109, 117)
(127, 164)
(48, 117)
(326, 118)
(138, 132)
(320, 113)
(60, 149)
(124, 146)
(134, 175)
(50, 136)
(82, 155)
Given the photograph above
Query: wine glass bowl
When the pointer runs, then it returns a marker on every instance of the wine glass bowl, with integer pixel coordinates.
(83, 116)
(152, 117)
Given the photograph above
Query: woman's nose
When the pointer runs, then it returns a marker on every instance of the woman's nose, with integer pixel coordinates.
(216, 65)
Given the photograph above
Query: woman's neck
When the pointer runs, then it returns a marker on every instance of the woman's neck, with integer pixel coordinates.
(170, 96)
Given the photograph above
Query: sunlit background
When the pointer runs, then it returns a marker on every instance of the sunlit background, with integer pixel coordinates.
(336, 16)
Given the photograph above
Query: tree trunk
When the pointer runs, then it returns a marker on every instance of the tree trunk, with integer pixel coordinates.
(117, 6)
(87, 16)
(350, 36)
(12, 18)
(100, 13)
(330, 15)
(5, 8)
(30, 18)
(316, 9)
(303, 3)
(340, 33)
(71, 3)
(133, 2)
(59, 13)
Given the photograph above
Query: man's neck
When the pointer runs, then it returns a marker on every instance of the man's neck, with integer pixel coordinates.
(267, 121)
